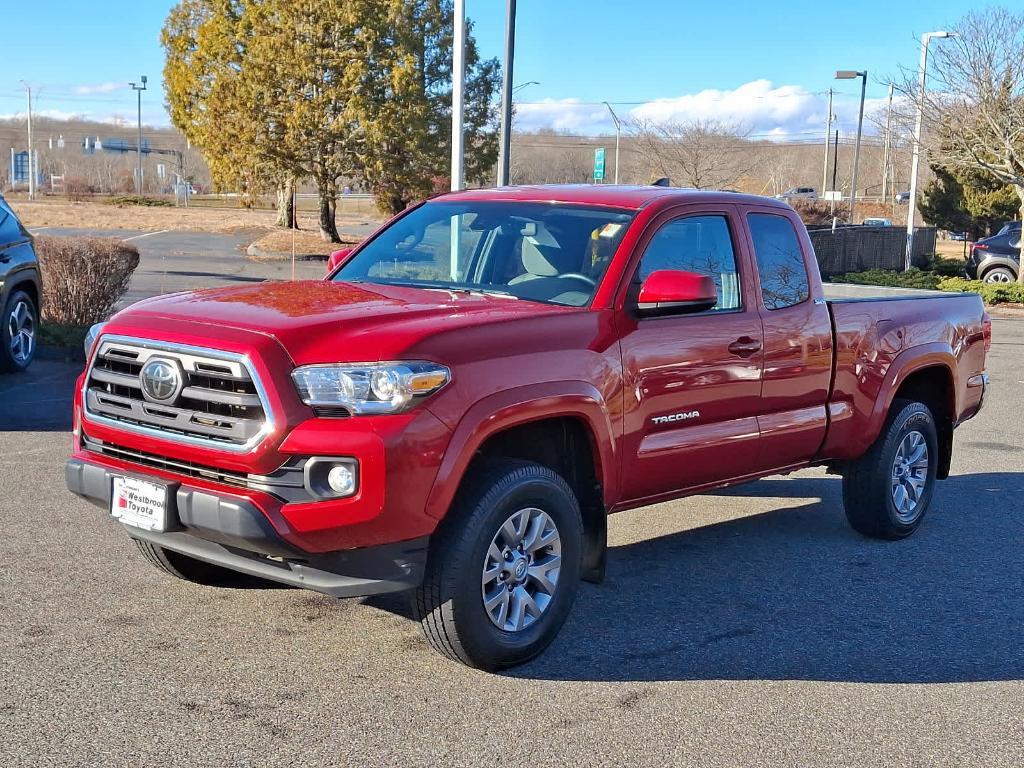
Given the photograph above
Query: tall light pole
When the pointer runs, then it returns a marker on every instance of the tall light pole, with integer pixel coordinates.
(139, 89)
(31, 152)
(828, 136)
(846, 74)
(926, 38)
(458, 92)
(618, 134)
(504, 151)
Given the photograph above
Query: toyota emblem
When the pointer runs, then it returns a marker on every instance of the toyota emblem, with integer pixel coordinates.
(161, 380)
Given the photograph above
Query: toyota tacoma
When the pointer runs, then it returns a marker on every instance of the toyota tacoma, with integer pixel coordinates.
(455, 410)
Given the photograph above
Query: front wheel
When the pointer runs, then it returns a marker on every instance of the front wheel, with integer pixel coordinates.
(18, 323)
(887, 491)
(503, 570)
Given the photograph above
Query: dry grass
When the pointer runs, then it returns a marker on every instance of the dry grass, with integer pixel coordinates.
(95, 215)
(306, 243)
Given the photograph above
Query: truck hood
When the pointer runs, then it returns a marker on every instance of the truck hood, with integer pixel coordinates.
(322, 322)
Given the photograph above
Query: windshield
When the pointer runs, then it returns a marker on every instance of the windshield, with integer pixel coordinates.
(546, 252)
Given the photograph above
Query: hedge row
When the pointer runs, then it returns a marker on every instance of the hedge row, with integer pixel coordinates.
(991, 293)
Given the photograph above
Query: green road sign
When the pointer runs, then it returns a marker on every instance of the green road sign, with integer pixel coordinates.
(599, 164)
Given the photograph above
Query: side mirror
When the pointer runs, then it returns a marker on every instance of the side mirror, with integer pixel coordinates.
(674, 292)
(336, 258)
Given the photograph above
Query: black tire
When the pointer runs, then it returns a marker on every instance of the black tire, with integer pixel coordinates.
(184, 567)
(999, 275)
(450, 603)
(20, 302)
(868, 483)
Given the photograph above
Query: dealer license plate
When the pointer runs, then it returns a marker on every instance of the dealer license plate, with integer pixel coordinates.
(139, 503)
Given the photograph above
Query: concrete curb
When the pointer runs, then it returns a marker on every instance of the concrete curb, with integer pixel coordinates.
(254, 252)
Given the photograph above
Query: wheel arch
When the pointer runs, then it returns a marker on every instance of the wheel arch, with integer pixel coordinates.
(563, 426)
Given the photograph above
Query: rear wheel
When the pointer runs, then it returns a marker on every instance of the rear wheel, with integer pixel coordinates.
(184, 567)
(503, 570)
(1000, 275)
(887, 491)
(18, 328)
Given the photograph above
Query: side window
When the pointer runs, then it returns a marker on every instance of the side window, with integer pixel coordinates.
(696, 244)
(780, 261)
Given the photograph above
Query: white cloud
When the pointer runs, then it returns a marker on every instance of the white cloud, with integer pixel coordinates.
(88, 90)
(760, 107)
(56, 114)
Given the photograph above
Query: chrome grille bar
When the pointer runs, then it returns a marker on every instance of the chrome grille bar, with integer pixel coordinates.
(221, 402)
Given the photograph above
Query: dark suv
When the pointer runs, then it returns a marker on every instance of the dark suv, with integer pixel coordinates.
(996, 259)
(19, 292)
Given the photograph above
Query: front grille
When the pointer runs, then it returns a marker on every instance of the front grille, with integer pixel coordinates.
(286, 483)
(217, 401)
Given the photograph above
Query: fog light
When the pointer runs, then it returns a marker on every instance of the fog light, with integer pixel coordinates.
(341, 479)
(329, 477)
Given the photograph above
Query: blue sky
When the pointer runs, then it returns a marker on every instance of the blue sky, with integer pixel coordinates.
(763, 64)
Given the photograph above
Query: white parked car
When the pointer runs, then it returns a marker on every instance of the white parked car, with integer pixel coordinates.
(799, 193)
(877, 222)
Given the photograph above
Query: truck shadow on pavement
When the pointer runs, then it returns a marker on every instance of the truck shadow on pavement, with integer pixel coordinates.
(795, 594)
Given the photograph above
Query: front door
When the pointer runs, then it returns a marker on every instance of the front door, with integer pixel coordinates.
(692, 381)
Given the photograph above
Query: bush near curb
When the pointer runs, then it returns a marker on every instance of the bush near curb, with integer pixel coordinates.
(83, 277)
(991, 293)
(149, 202)
(912, 278)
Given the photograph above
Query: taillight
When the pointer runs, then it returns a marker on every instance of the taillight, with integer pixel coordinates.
(986, 331)
(980, 247)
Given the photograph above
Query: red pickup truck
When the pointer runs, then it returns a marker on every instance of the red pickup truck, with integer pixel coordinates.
(459, 405)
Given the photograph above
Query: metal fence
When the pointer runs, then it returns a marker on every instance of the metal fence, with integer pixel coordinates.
(855, 249)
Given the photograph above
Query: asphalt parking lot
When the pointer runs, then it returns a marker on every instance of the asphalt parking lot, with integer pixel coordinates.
(746, 628)
(180, 261)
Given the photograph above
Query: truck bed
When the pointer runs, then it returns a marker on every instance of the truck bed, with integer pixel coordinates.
(873, 328)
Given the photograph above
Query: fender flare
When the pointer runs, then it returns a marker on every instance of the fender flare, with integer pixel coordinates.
(935, 354)
(518, 406)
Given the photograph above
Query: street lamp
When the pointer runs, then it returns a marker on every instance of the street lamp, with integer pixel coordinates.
(846, 74)
(139, 89)
(618, 133)
(926, 38)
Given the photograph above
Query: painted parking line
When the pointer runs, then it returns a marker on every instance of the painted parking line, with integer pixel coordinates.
(147, 234)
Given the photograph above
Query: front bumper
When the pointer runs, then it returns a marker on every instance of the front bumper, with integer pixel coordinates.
(234, 533)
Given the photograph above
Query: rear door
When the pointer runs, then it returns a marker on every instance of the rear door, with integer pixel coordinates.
(797, 339)
(692, 381)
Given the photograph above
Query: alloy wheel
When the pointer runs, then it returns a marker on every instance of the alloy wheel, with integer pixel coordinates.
(909, 476)
(521, 569)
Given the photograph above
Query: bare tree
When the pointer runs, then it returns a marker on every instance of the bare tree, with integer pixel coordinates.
(973, 110)
(705, 154)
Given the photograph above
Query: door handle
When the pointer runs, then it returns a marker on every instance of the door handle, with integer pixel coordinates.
(745, 346)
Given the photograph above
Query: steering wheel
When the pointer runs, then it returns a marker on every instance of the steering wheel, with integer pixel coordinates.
(577, 276)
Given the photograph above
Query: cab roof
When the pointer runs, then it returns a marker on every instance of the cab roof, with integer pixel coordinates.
(611, 195)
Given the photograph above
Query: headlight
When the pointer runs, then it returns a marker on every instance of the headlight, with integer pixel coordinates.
(369, 387)
(90, 338)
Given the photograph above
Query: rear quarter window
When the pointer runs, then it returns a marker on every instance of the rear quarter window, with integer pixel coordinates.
(780, 261)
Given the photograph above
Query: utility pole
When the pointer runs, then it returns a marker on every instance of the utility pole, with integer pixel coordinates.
(828, 133)
(505, 150)
(139, 89)
(618, 134)
(887, 148)
(922, 75)
(458, 89)
(835, 168)
(31, 151)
